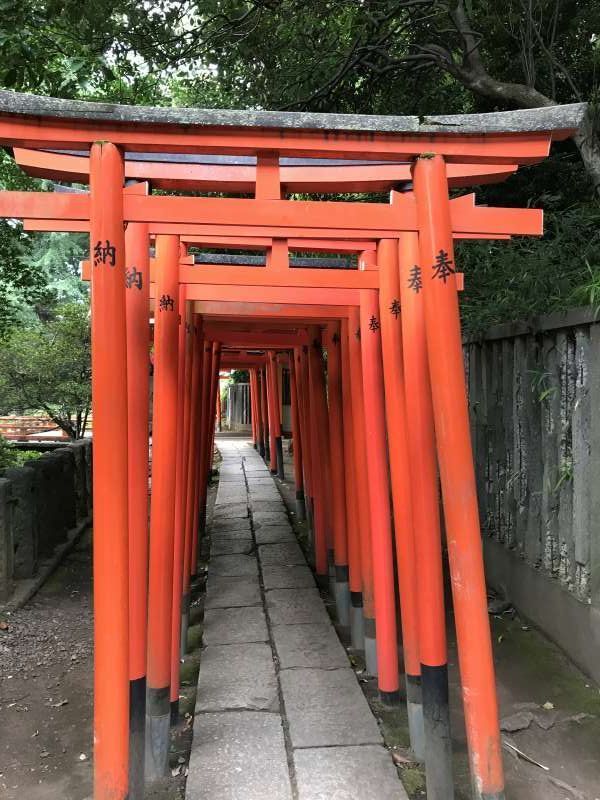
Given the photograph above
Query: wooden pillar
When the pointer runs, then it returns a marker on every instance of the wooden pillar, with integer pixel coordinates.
(301, 357)
(426, 517)
(400, 475)
(183, 374)
(357, 632)
(203, 447)
(192, 415)
(379, 498)
(297, 442)
(276, 403)
(362, 487)
(137, 283)
(338, 478)
(110, 475)
(162, 506)
(264, 410)
(320, 456)
(453, 441)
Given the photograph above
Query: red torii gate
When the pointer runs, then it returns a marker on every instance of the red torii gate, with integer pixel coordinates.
(507, 139)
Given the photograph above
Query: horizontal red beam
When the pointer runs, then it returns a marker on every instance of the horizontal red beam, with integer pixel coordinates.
(377, 220)
(35, 132)
(236, 178)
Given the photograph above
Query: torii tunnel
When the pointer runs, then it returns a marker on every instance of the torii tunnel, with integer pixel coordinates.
(378, 426)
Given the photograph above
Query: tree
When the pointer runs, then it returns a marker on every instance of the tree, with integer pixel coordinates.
(46, 367)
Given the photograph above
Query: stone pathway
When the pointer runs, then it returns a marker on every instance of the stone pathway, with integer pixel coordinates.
(279, 713)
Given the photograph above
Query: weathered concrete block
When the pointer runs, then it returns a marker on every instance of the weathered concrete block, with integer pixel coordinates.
(6, 540)
(281, 554)
(315, 646)
(66, 480)
(295, 606)
(281, 577)
(237, 676)
(26, 519)
(327, 707)
(234, 625)
(232, 592)
(347, 773)
(81, 489)
(234, 566)
(238, 755)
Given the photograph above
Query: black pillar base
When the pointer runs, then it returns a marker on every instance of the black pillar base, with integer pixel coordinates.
(436, 721)
(137, 737)
(280, 470)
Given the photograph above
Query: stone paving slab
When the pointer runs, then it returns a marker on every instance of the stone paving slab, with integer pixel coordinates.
(235, 676)
(234, 625)
(261, 518)
(265, 505)
(311, 646)
(232, 592)
(258, 480)
(230, 527)
(295, 606)
(231, 545)
(285, 554)
(327, 707)
(275, 533)
(234, 566)
(347, 773)
(239, 755)
(295, 577)
(226, 509)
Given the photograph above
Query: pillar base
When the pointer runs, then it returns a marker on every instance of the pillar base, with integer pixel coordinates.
(390, 699)
(357, 621)
(414, 707)
(174, 712)
(331, 573)
(342, 596)
(185, 623)
(158, 724)
(300, 506)
(370, 647)
(137, 737)
(436, 723)
(261, 449)
(280, 469)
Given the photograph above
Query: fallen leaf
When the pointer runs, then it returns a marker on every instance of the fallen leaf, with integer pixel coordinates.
(82, 757)
(523, 755)
(44, 754)
(60, 703)
(548, 705)
(397, 758)
(3, 625)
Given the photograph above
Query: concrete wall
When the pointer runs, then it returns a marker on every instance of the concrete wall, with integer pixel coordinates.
(534, 394)
(40, 503)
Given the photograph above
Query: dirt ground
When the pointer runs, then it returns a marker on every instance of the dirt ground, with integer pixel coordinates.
(46, 703)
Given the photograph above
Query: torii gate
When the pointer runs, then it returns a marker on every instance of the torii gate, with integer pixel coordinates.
(502, 139)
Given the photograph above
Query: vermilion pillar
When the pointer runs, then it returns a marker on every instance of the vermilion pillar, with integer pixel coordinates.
(137, 283)
(276, 401)
(162, 506)
(401, 478)
(362, 487)
(184, 357)
(301, 356)
(204, 445)
(352, 515)
(379, 497)
(320, 456)
(426, 518)
(264, 410)
(111, 541)
(338, 477)
(273, 413)
(297, 442)
(192, 457)
(453, 440)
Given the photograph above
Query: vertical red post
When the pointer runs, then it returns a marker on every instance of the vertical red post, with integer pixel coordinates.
(216, 363)
(379, 498)
(253, 410)
(192, 473)
(264, 410)
(184, 353)
(137, 283)
(338, 477)
(426, 518)
(204, 445)
(357, 632)
(362, 487)
(276, 413)
(301, 356)
(400, 475)
(297, 442)
(453, 440)
(111, 541)
(320, 455)
(162, 505)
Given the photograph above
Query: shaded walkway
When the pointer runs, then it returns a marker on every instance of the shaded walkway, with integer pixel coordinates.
(279, 712)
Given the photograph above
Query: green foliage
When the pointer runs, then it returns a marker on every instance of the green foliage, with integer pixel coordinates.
(46, 366)
(239, 376)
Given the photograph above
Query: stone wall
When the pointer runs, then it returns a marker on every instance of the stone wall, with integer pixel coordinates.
(41, 503)
(534, 395)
